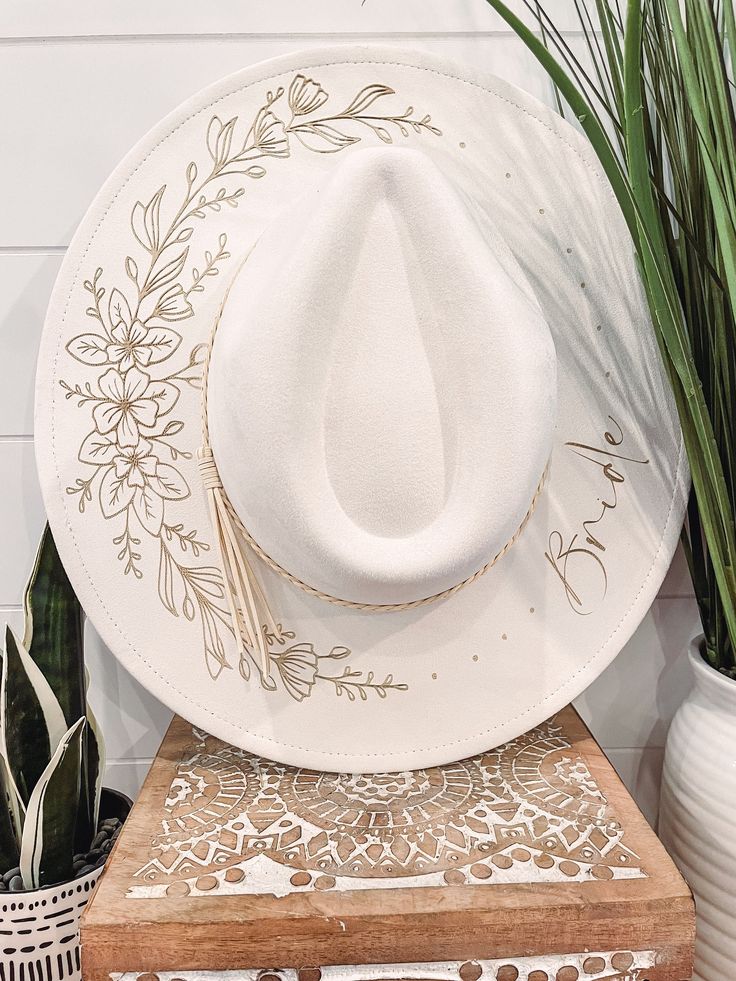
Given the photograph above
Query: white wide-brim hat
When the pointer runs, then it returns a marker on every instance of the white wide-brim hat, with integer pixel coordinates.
(349, 360)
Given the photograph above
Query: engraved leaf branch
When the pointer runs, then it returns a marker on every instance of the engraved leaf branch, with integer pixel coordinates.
(129, 455)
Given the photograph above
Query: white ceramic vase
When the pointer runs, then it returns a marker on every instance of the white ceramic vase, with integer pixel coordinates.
(40, 931)
(39, 928)
(697, 820)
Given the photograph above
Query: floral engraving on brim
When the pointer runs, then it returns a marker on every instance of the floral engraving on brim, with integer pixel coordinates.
(300, 668)
(142, 364)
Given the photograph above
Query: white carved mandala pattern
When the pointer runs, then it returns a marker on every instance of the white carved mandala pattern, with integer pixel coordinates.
(529, 811)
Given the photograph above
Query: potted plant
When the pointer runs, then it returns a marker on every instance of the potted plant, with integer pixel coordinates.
(57, 824)
(658, 107)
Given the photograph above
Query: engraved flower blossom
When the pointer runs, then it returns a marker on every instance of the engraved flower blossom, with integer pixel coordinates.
(131, 401)
(127, 348)
(136, 464)
(298, 667)
(174, 304)
(133, 477)
(134, 343)
(305, 95)
(269, 135)
(138, 478)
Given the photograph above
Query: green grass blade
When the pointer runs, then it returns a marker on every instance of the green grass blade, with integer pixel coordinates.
(676, 186)
(580, 106)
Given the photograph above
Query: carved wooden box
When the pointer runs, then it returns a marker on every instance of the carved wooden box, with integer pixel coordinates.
(528, 863)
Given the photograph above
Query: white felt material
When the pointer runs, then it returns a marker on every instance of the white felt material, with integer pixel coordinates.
(414, 403)
(384, 385)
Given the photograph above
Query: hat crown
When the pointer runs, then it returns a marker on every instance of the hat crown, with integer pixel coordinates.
(382, 385)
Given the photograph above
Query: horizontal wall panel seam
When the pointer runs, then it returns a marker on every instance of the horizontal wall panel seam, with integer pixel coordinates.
(268, 36)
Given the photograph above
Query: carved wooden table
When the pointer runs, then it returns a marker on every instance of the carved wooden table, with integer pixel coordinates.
(528, 863)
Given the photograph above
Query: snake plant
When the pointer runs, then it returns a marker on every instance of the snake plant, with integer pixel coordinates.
(51, 754)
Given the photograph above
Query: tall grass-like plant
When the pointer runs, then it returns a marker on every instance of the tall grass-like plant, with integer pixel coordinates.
(656, 99)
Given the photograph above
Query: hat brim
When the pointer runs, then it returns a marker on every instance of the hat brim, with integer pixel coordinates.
(118, 421)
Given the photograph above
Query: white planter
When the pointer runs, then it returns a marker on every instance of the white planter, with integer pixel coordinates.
(698, 812)
(39, 928)
(39, 934)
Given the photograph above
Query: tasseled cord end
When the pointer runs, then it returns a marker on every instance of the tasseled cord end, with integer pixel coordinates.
(249, 609)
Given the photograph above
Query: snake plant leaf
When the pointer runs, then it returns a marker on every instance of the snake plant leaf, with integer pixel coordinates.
(10, 820)
(8, 842)
(54, 629)
(93, 766)
(13, 809)
(31, 720)
(47, 845)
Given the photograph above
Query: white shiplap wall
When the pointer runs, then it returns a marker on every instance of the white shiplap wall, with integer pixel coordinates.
(81, 82)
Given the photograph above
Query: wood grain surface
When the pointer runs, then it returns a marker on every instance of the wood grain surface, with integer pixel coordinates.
(650, 911)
